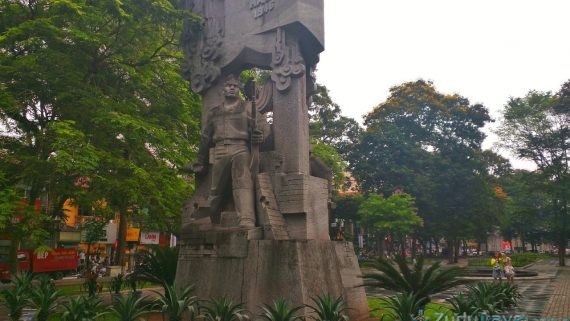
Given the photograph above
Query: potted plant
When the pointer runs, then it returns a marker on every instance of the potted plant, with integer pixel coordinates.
(132, 281)
(116, 287)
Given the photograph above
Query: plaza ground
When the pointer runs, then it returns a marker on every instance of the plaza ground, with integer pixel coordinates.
(544, 296)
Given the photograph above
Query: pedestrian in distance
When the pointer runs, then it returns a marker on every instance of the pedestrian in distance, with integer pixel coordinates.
(498, 266)
(509, 271)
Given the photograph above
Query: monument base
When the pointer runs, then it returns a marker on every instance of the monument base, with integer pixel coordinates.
(256, 272)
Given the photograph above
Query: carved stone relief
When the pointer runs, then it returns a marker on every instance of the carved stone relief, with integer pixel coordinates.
(286, 62)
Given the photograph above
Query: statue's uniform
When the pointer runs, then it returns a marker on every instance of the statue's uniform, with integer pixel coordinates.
(229, 130)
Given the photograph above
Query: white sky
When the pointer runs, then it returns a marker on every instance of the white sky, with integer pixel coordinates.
(485, 50)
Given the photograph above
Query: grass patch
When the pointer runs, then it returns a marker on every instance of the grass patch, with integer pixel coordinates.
(518, 259)
(79, 288)
(379, 310)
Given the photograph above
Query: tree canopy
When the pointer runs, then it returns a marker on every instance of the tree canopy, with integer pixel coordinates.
(93, 106)
(427, 143)
(537, 127)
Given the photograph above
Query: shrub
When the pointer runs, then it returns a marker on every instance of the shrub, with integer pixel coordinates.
(223, 309)
(405, 306)
(83, 308)
(130, 308)
(279, 311)
(327, 308)
(176, 304)
(117, 284)
(416, 280)
(44, 298)
(491, 298)
(157, 266)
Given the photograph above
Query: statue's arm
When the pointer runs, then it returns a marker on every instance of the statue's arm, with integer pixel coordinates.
(264, 125)
(201, 164)
(205, 142)
(260, 130)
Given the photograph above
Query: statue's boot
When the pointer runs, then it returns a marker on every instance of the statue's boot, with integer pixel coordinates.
(245, 207)
(214, 208)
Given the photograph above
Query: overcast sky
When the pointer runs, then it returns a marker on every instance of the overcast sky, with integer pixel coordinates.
(485, 50)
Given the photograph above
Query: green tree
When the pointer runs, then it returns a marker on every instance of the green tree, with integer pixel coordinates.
(332, 134)
(527, 207)
(346, 207)
(328, 125)
(93, 231)
(537, 127)
(395, 215)
(332, 159)
(427, 143)
(93, 107)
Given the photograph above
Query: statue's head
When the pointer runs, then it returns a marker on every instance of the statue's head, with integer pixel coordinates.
(231, 86)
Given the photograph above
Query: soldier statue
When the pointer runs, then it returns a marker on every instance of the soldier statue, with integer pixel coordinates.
(228, 135)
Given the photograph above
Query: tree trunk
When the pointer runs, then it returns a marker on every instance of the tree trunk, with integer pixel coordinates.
(380, 244)
(561, 251)
(563, 238)
(121, 239)
(13, 254)
(87, 260)
(450, 250)
(436, 241)
(456, 251)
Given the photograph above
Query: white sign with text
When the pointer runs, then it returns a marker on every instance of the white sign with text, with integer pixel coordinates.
(150, 237)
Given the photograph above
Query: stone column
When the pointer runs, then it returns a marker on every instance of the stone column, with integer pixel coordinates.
(290, 112)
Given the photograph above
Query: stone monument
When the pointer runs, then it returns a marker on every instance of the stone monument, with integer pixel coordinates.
(257, 227)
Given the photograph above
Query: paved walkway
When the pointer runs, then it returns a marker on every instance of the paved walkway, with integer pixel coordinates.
(547, 295)
(558, 305)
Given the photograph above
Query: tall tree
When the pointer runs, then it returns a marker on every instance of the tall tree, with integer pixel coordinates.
(93, 106)
(394, 216)
(328, 125)
(527, 208)
(426, 142)
(537, 127)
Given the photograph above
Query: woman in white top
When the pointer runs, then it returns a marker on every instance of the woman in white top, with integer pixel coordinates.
(509, 271)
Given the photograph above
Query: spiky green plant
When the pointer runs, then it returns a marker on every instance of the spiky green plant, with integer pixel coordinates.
(486, 297)
(131, 308)
(405, 306)
(223, 309)
(327, 308)
(493, 297)
(413, 279)
(15, 299)
(23, 281)
(82, 309)
(44, 298)
(177, 304)
(157, 266)
(463, 303)
(509, 292)
(279, 311)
